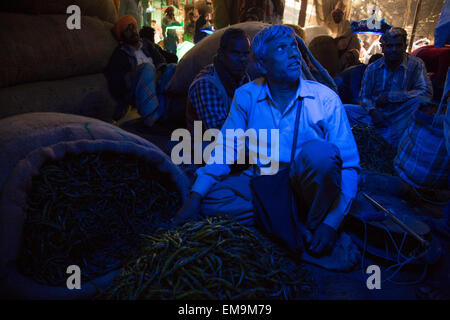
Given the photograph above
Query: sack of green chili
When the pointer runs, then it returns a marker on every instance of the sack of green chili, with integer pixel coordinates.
(76, 191)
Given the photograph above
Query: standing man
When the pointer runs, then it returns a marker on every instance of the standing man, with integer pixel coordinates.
(212, 91)
(133, 72)
(324, 174)
(393, 87)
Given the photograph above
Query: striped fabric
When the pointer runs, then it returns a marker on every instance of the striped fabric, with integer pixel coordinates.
(209, 102)
(422, 158)
(408, 81)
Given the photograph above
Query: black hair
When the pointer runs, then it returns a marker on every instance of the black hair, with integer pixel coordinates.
(375, 57)
(147, 33)
(395, 32)
(232, 34)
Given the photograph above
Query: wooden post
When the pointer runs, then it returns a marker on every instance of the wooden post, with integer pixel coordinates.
(408, 13)
(413, 32)
(302, 14)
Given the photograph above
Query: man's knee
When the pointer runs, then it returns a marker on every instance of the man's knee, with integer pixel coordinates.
(320, 157)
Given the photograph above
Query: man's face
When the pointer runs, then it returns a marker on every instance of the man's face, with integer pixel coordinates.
(337, 17)
(235, 56)
(282, 61)
(393, 50)
(130, 35)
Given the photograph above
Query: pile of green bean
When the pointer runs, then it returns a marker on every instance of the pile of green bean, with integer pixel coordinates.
(375, 153)
(214, 258)
(89, 210)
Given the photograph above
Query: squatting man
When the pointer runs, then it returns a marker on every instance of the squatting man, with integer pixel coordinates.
(324, 174)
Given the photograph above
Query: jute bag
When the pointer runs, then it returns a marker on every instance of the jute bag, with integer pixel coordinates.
(422, 159)
(28, 141)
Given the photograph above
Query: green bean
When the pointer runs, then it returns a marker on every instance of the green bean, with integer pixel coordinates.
(230, 262)
(92, 206)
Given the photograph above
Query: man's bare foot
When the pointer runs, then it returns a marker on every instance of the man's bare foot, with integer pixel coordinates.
(344, 256)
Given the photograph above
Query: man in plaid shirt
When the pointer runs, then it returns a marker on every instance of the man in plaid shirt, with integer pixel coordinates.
(394, 86)
(212, 91)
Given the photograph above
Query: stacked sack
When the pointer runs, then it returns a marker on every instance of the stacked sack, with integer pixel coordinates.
(47, 67)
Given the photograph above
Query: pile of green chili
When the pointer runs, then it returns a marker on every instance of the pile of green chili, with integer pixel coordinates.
(375, 153)
(215, 258)
(90, 210)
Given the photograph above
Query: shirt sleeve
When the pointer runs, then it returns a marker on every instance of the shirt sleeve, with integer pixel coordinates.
(421, 86)
(212, 173)
(208, 104)
(366, 95)
(340, 134)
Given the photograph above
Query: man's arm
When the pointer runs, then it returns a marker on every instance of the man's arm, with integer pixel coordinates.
(118, 74)
(208, 104)
(367, 97)
(210, 174)
(158, 59)
(421, 86)
(367, 86)
(340, 134)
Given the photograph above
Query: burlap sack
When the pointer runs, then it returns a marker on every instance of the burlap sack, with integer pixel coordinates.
(201, 55)
(103, 9)
(324, 49)
(312, 32)
(38, 48)
(86, 95)
(28, 141)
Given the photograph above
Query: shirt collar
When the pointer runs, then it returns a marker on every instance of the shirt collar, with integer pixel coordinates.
(403, 64)
(303, 91)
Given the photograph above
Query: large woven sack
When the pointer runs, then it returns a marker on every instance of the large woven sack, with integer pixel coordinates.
(85, 95)
(422, 159)
(201, 55)
(103, 9)
(324, 49)
(226, 12)
(40, 47)
(28, 141)
(312, 32)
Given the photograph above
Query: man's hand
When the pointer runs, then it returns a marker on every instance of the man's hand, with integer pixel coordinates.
(323, 239)
(382, 100)
(377, 119)
(189, 210)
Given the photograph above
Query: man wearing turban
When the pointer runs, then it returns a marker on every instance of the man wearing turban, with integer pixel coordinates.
(135, 71)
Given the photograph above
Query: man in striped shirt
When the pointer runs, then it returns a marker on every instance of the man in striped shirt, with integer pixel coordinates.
(394, 86)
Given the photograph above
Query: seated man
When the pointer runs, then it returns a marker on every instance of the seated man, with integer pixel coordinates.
(324, 174)
(133, 72)
(392, 88)
(148, 33)
(212, 90)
